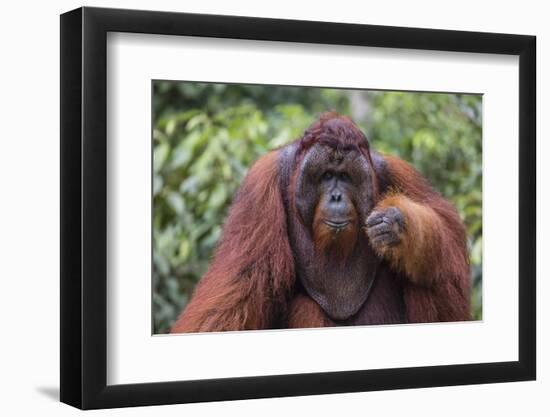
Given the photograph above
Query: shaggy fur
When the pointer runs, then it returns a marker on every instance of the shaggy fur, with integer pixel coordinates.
(257, 276)
(433, 253)
(252, 274)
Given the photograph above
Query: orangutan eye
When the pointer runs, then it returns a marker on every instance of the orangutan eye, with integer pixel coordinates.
(327, 176)
(344, 177)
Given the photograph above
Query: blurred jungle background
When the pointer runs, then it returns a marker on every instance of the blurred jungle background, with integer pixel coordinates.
(207, 135)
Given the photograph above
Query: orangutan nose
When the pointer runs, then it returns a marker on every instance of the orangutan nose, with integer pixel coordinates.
(336, 197)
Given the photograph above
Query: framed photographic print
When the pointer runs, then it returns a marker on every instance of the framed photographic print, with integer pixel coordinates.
(258, 207)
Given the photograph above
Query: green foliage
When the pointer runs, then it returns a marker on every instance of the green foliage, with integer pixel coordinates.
(206, 136)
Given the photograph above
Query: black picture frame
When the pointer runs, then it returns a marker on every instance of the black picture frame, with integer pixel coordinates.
(84, 207)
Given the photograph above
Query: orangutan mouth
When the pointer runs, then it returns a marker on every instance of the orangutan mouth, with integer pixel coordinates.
(337, 224)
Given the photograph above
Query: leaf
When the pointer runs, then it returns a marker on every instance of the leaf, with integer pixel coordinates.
(175, 200)
(160, 154)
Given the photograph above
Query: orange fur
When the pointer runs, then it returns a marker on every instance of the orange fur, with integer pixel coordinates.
(339, 244)
(306, 313)
(252, 272)
(432, 254)
(420, 240)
